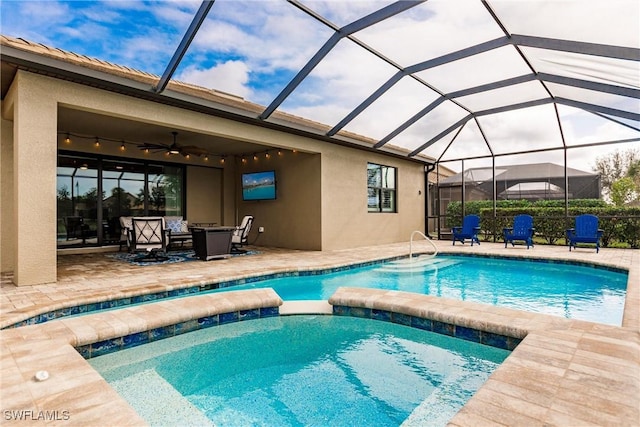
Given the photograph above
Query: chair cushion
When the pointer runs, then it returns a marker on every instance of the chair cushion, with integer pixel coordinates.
(184, 226)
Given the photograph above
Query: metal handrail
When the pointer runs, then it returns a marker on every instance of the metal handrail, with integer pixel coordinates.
(435, 248)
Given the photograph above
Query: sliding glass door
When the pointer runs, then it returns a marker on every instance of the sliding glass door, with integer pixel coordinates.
(77, 201)
(125, 188)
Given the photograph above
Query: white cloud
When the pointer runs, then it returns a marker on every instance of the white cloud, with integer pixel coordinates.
(230, 76)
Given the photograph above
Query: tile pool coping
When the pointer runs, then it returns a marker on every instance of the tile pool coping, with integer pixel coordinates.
(73, 310)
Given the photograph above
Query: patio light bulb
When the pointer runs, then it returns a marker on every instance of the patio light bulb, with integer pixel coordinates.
(122, 147)
(266, 156)
(206, 158)
(255, 157)
(67, 140)
(222, 160)
(97, 142)
(188, 156)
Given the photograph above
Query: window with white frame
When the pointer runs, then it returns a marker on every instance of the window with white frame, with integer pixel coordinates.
(381, 188)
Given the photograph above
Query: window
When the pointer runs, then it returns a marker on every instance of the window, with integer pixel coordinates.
(381, 188)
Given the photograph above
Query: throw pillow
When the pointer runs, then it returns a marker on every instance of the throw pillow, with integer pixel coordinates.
(174, 224)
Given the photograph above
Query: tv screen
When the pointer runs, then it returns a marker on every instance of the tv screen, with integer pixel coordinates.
(259, 186)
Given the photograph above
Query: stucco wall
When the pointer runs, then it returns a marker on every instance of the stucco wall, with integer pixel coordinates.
(7, 231)
(34, 180)
(204, 195)
(294, 219)
(346, 223)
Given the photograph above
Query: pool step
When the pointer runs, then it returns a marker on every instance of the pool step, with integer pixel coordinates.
(417, 264)
(158, 402)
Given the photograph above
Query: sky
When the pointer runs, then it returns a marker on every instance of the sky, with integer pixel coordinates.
(254, 48)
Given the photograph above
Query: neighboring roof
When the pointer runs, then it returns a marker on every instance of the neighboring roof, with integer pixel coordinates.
(445, 75)
(531, 190)
(524, 172)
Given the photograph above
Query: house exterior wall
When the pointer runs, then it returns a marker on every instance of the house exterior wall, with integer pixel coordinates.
(294, 219)
(205, 195)
(322, 187)
(346, 223)
(34, 180)
(7, 232)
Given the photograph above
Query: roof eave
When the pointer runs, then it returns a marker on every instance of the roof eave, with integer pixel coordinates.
(57, 68)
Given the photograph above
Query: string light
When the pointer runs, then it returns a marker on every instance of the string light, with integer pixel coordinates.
(97, 141)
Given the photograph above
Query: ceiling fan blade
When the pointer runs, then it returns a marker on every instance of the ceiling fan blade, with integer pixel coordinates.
(194, 150)
(148, 146)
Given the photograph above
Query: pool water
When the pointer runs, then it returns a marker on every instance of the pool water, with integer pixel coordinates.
(301, 371)
(570, 291)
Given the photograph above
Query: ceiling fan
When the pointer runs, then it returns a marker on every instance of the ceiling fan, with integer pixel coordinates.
(174, 148)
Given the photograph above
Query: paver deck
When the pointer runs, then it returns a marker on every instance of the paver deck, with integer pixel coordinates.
(564, 372)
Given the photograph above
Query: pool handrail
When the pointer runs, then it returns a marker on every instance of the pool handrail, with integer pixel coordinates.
(435, 248)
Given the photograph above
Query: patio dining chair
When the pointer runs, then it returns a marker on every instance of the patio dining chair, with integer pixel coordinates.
(240, 236)
(149, 235)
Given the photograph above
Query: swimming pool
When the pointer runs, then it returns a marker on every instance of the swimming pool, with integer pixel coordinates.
(562, 289)
(301, 370)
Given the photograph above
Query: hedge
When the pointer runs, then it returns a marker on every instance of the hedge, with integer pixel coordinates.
(619, 224)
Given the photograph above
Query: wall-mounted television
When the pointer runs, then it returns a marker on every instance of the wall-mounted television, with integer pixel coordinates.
(259, 186)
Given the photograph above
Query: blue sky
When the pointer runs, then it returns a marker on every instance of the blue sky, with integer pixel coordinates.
(253, 48)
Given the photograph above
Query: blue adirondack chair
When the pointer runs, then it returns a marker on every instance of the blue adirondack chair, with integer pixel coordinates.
(585, 231)
(522, 230)
(469, 230)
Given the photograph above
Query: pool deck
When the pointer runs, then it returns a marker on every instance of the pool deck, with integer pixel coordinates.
(564, 372)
